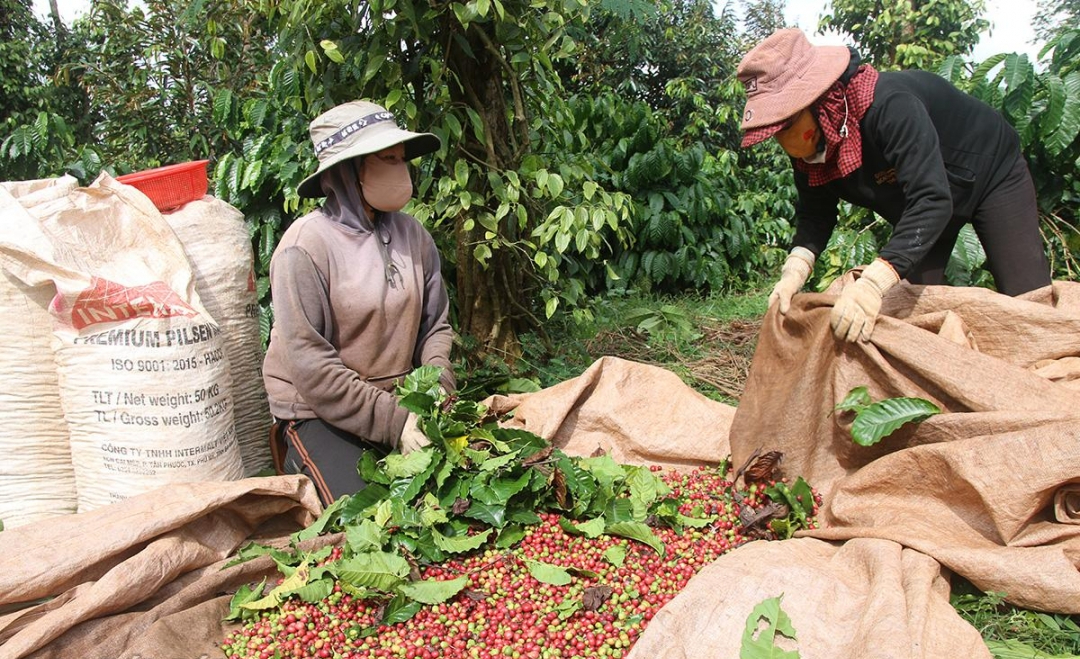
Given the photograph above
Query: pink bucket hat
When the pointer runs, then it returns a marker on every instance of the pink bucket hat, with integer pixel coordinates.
(782, 75)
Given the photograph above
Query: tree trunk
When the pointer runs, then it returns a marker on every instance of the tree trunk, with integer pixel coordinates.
(490, 304)
(58, 23)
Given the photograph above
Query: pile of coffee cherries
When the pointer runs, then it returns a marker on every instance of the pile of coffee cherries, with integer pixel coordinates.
(615, 588)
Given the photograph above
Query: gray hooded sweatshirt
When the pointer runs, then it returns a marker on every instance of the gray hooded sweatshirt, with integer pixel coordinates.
(357, 306)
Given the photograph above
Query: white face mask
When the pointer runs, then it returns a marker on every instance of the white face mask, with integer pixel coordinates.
(816, 159)
(385, 182)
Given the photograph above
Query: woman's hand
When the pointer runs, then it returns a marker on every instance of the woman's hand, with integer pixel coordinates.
(858, 306)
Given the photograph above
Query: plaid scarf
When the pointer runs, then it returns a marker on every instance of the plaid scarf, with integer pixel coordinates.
(839, 111)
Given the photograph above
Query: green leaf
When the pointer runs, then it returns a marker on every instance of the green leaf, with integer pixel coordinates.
(253, 550)
(510, 535)
(292, 583)
(1011, 648)
(432, 591)
(593, 528)
(616, 555)
(331, 50)
(367, 536)
(381, 570)
(857, 398)
(400, 609)
(404, 466)
(492, 514)
(461, 543)
(326, 520)
(569, 606)
(548, 573)
(881, 419)
(372, 68)
(315, 591)
(760, 642)
(242, 597)
(637, 531)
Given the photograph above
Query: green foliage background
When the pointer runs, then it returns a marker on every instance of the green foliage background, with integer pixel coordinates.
(607, 162)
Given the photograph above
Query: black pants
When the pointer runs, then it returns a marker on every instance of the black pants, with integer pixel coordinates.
(1007, 223)
(325, 454)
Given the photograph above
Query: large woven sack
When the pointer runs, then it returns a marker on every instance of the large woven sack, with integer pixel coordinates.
(215, 239)
(145, 389)
(37, 480)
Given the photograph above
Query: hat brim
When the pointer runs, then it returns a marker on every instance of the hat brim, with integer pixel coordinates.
(756, 135)
(767, 109)
(416, 145)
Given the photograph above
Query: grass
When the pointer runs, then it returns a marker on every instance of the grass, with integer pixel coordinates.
(709, 342)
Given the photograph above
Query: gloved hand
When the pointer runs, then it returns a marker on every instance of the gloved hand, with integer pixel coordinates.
(859, 304)
(412, 438)
(793, 276)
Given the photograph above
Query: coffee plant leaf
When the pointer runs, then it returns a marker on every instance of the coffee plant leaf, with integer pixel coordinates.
(620, 510)
(569, 606)
(510, 535)
(593, 528)
(446, 469)
(371, 471)
(379, 570)
(694, 522)
(325, 520)
(245, 594)
(460, 543)
(881, 419)
(397, 465)
(362, 504)
(578, 481)
(314, 591)
(417, 402)
(616, 555)
(433, 591)
(765, 623)
(431, 513)
(400, 609)
(512, 484)
(605, 470)
(289, 585)
(644, 485)
(799, 499)
(384, 511)
(365, 537)
(254, 550)
(857, 399)
(548, 573)
(527, 443)
(418, 483)
(494, 464)
(582, 572)
(637, 531)
(493, 515)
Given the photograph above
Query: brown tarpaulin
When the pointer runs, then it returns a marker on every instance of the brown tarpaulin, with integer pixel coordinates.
(142, 577)
(986, 490)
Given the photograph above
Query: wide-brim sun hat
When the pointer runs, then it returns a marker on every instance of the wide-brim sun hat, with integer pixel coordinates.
(355, 129)
(782, 75)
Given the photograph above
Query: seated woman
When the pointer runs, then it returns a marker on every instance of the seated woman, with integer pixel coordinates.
(359, 302)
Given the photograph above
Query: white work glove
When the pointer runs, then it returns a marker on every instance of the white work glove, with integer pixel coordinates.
(793, 276)
(412, 438)
(859, 304)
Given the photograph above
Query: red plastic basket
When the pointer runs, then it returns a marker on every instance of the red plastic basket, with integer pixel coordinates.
(171, 186)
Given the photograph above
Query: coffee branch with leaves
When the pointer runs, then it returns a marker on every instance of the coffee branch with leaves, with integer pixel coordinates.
(477, 483)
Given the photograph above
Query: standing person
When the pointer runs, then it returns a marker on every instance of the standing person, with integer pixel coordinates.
(907, 145)
(359, 302)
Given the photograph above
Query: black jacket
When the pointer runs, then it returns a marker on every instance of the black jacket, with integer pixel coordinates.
(930, 154)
